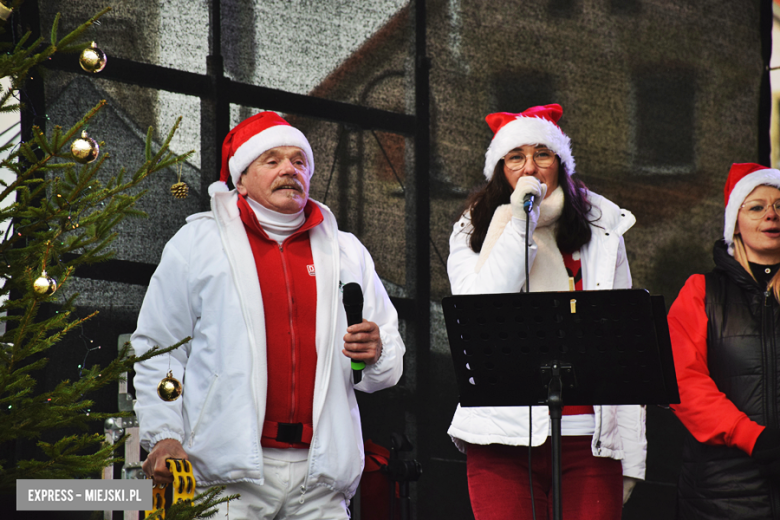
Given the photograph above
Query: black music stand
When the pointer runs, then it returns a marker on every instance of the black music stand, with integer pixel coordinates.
(556, 348)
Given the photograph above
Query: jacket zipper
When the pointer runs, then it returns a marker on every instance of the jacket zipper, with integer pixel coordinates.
(333, 321)
(770, 382)
(598, 430)
(770, 376)
(292, 329)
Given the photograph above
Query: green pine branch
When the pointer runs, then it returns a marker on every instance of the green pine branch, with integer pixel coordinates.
(64, 215)
(202, 506)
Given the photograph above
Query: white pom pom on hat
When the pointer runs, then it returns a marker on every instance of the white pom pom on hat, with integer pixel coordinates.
(250, 139)
(742, 180)
(537, 125)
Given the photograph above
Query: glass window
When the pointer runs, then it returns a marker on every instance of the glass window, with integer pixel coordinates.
(664, 121)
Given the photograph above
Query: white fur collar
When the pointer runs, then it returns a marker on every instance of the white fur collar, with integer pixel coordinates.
(548, 273)
(551, 208)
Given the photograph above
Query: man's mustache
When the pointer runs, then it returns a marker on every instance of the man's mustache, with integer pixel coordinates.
(287, 183)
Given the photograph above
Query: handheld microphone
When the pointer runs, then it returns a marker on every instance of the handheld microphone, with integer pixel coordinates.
(353, 304)
(528, 202)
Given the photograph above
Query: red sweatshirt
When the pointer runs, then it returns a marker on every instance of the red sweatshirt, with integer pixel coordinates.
(288, 285)
(706, 411)
(574, 270)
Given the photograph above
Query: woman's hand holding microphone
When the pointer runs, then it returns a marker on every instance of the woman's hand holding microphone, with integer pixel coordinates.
(527, 185)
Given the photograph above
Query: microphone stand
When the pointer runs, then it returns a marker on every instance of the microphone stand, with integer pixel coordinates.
(528, 206)
(401, 471)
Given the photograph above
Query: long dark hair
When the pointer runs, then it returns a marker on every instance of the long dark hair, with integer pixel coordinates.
(573, 225)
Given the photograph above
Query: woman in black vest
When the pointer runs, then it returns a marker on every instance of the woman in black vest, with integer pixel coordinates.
(725, 330)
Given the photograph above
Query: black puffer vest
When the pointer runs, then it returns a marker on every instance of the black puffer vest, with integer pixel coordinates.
(743, 333)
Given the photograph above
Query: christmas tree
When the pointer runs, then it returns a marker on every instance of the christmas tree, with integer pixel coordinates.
(61, 216)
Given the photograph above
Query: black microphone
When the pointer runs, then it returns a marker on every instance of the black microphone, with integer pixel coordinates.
(528, 202)
(353, 304)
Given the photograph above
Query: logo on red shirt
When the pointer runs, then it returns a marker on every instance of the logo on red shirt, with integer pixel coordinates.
(310, 268)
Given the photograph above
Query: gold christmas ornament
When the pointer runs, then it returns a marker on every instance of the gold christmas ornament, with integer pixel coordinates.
(169, 388)
(44, 284)
(180, 190)
(5, 12)
(84, 149)
(93, 59)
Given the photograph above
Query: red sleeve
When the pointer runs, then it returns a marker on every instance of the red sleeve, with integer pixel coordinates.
(707, 413)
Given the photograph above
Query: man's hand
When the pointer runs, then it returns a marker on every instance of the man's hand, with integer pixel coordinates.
(628, 487)
(362, 343)
(154, 466)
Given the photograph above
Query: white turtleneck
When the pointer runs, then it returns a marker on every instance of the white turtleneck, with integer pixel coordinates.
(277, 225)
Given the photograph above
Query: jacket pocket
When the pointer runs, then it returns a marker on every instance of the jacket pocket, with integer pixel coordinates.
(206, 402)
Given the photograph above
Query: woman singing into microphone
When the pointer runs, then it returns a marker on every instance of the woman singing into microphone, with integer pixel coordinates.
(725, 330)
(576, 243)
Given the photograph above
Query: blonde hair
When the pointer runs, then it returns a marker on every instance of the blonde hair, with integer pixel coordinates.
(740, 255)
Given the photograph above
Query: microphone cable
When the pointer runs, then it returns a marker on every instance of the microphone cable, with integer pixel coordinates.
(530, 409)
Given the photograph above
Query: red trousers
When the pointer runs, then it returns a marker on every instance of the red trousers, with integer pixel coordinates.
(591, 487)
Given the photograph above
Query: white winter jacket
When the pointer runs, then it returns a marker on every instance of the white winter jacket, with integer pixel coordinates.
(206, 287)
(620, 430)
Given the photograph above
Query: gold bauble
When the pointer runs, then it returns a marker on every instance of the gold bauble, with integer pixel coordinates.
(180, 190)
(84, 149)
(169, 388)
(44, 284)
(93, 59)
(5, 12)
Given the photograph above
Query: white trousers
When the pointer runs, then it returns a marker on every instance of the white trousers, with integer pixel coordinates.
(281, 497)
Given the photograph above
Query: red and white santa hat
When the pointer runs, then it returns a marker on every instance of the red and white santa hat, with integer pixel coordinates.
(250, 139)
(742, 180)
(537, 125)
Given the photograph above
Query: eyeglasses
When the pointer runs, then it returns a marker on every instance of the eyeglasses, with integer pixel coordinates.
(757, 209)
(543, 158)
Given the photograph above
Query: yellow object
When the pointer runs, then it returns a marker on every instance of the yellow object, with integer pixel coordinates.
(169, 388)
(93, 59)
(182, 488)
(573, 305)
(158, 500)
(5, 12)
(44, 284)
(84, 149)
(180, 190)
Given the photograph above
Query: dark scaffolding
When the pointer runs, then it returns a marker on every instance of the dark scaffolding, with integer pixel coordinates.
(217, 92)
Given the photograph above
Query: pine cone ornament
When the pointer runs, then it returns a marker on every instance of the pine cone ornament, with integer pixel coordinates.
(180, 190)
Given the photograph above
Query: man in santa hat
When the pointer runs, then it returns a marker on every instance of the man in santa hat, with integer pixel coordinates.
(268, 405)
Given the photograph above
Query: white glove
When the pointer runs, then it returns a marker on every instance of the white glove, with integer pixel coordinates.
(628, 487)
(525, 185)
